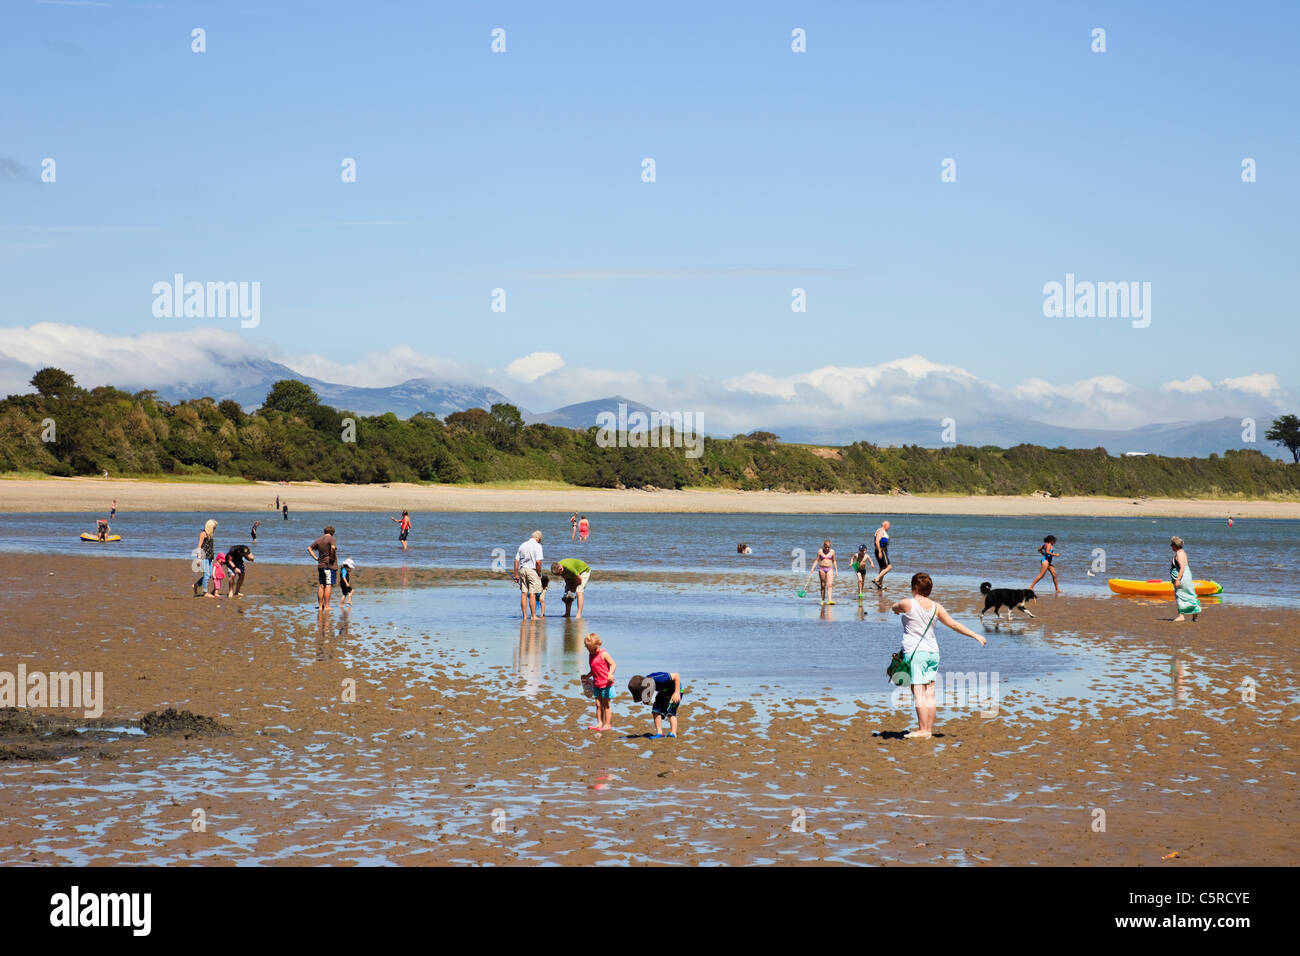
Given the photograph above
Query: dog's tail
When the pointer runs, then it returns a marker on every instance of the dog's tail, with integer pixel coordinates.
(986, 587)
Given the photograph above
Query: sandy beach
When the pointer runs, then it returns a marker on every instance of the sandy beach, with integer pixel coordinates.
(94, 494)
(440, 768)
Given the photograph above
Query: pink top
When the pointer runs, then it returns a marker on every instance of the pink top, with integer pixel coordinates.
(599, 664)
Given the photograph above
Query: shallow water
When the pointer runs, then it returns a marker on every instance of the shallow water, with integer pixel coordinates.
(728, 642)
(1255, 561)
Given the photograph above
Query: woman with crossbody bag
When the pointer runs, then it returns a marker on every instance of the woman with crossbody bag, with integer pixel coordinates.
(918, 661)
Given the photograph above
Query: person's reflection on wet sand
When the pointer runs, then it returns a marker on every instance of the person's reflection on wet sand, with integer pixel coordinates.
(1179, 671)
(528, 656)
(324, 636)
(572, 636)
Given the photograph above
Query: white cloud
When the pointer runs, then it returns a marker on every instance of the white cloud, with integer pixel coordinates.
(830, 398)
(96, 358)
(531, 367)
(157, 359)
(1197, 383)
(1263, 385)
(847, 386)
(1099, 387)
(380, 369)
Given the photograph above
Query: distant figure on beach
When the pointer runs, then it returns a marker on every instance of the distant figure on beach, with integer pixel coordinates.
(576, 573)
(826, 568)
(285, 511)
(862, 561)
(1047, 551)
(253, 531)
(600, 673)
(112, 509)
(583, 528)
(921, 648)
(324, 551)
(345, 583)
(1180, 573)
(880, 542)
(207, 552)
(663, 692)
(277, 502)
(234, 562)
(403, 526)
(528, 574)
(743, 548)
(573, 526)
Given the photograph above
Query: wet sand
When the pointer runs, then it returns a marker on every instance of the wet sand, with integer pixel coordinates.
(444, 768)
(94, 494)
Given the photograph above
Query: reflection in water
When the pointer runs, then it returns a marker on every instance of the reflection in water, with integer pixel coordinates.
(573, 638)
(528, 656)
(324, 636)
(1179, 671)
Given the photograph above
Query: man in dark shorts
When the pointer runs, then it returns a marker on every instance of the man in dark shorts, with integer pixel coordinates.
(325, 552)
(285, 509)
(235, 559)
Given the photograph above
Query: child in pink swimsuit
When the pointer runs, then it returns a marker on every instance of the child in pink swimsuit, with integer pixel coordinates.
(601, 676)
(218, 574)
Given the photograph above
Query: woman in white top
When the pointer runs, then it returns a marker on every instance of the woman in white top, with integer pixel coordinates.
(921, 648)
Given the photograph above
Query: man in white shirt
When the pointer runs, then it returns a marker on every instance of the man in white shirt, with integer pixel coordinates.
(528, 574)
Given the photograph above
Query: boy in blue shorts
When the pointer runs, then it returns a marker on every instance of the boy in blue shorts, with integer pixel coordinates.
(663, 692)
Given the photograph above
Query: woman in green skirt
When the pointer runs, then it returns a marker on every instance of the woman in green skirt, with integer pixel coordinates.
(1180, 573)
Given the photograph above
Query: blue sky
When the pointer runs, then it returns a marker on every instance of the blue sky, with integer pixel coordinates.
(775, 170)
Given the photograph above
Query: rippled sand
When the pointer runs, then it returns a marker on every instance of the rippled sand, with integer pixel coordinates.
(442, 766)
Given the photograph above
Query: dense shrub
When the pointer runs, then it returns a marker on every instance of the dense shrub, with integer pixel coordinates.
(295, 437)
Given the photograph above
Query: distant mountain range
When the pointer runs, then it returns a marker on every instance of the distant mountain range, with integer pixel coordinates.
(248, 381)
(583, 415)
(1177, 439)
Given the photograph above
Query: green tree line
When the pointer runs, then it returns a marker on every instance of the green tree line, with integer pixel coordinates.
(64, 429)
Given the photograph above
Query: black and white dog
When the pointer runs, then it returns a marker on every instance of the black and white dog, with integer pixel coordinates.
(997, 598)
